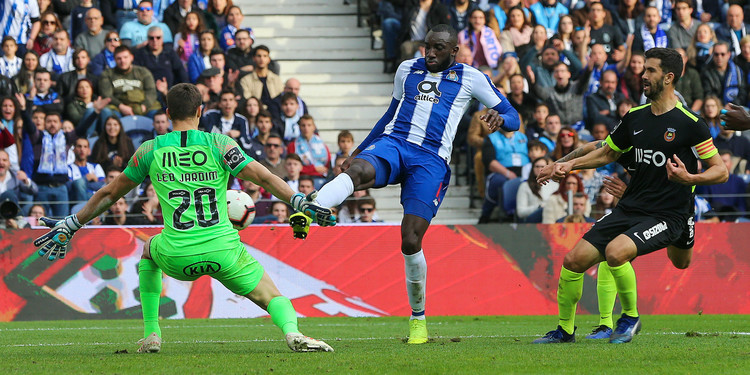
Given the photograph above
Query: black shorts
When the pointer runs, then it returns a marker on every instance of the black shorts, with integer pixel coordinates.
(649, 233)
(687, 239)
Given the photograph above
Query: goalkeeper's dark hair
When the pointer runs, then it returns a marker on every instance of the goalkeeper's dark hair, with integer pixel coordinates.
(444, 28)
(671, 61)
(183, 101)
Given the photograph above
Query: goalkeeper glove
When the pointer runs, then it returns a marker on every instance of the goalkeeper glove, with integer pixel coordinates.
(55, 243)
(309, 206)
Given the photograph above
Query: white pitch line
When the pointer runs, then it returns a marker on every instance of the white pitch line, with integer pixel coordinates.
(196, 326)
(335, 339)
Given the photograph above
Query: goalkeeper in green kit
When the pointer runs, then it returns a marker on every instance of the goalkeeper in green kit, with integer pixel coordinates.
(189, 170)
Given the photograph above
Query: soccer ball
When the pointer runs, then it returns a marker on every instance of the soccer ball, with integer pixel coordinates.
(240, 209)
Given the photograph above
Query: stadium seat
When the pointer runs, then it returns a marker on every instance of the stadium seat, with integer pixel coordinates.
(510, 188)
(138, 128)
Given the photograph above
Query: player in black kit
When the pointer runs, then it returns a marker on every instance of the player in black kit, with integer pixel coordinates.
(653, 211)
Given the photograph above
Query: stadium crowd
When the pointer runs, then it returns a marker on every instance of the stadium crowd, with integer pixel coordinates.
(572, 69)
(83, 84)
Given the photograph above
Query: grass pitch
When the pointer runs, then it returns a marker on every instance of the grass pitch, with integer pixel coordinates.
(708, 344)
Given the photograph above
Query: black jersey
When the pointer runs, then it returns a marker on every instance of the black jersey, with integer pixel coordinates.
(652, 140)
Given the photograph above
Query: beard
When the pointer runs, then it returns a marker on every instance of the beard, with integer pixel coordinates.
(656, 88)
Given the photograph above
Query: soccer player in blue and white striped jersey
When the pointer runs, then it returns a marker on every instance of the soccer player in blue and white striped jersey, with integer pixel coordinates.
(20, 19)
(411, 145)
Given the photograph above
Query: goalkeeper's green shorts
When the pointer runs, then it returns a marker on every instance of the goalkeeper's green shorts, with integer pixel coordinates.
(234, 268)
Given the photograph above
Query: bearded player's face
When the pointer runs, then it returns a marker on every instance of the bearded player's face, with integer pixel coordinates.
(439, 51)
(653, 79)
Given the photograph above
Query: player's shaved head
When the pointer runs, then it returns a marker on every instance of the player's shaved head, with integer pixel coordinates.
(183, 101)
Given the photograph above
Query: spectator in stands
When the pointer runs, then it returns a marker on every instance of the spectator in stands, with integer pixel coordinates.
(289, 117)
(250, 109)
(314, 153)
(727, 199)
(529, 53)
(543, 74)
(234, 23)
(628, 18)
(273, 161)
(218, 11)
(293, 165)
(390, 14)
(739, 146)
(650, 34)
(306, 184)
(10, 64)
(566, 100)
(200, 59)
(24, 80)
(163, 63)
(106, 59)
(700, 51)
(50, 149)
(723, 78)
(146, 209)
(161, 124)
(689, 85)
(266, 126)
(338, 162)
(537, 150)
(508, 67)
(177, 12)
(345, 141)
(603, 32)
(579, 215)
(419, 17)
(135, 93)
(135, 33)
(367, 211)
(42, 94)
(261, 83)
(567, 141)
(592, 182)
(291, 85)
(710, 113)
(631, 85)
(20, 21)
(681, 33)
(211, 84)
(460, 11)
(118, 214)
(597, 64)
(555, 207)
(605, 201)
(517, 31)
(535, 126)
(349, 210)
(240, 57)
(11, 119)
(547, 13)
(14, 183)
(531, 195)
(229, 77)
(227, 121)
(59, 59)
(67, 82)
(552, 126)
(92, 39)
(187, 37)
(602, 105)
(84, 112)
(77, 20)
(85, 178)
(475, 137)
(481, 40)
(734, 29)
(43, 41)
(504, 154)
(281, 211)
(114, 147)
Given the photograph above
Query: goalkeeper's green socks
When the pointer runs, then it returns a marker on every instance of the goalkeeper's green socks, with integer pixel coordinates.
(283, 315)
(624, 276)
(606, 292)
(149, 285)
(569, 291)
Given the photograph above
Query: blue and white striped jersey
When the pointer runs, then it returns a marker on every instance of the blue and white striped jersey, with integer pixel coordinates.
(432, 104)
(16, 18)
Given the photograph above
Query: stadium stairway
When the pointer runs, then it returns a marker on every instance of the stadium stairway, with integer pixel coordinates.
(319, 43)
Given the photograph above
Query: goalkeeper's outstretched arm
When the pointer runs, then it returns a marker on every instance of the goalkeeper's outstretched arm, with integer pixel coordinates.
(105, 197)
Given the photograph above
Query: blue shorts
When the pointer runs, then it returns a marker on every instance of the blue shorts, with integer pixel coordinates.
(423, 175)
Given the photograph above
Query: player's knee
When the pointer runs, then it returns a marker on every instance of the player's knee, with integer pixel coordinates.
(680, 263)
(616, 257)
(411, 243)
(572, 263)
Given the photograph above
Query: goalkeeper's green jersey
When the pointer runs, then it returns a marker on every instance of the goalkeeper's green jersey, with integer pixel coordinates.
(189, 171)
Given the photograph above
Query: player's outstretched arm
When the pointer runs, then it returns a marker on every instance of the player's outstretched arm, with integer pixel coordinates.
(716, 173)
(736, 117)
(549, 170)
(54, 243)
(595, 159)
(260, 175)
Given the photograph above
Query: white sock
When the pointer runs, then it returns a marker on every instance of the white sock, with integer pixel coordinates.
(336, 191)
(416, 280)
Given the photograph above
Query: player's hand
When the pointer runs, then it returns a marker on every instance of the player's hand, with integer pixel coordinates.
(677, 172)
(309, 206)
(54, 243)
(735, 117)
(561, 170)
(546, 174)
(614, 186)
(493, 120)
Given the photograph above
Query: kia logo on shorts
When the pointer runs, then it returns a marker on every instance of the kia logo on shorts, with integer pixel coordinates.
(202, 268)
